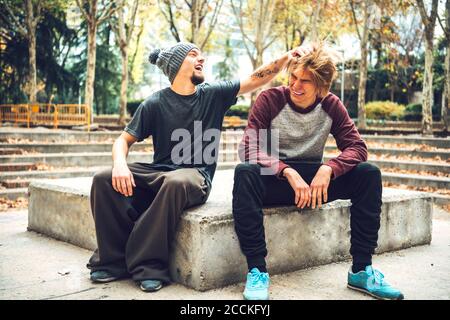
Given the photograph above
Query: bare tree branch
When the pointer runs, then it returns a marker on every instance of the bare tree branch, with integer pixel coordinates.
(132, 18)
(106, 13)
(170, 18)
(213, 22)
(270, 42)
(355, 20)
(241, 27)
(37, 16)
(83, 11)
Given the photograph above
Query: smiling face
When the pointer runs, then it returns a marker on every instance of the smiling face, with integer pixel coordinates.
(192, 67)
(303, 91)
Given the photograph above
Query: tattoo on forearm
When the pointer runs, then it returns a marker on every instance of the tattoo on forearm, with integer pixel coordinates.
(271, 69)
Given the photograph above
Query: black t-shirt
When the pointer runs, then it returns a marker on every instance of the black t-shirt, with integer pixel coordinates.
(185, 129)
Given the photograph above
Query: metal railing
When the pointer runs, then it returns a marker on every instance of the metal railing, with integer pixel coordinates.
(46, 114)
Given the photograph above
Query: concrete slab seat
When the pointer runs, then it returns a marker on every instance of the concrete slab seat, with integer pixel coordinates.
(206, 251)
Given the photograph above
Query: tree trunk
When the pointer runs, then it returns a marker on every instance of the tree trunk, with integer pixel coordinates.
(194, 21)
(31, 29)
(123, 87)
(446, 93)
(427, 90)
(32, 62)
(364, 39)
(315, 21)
(90, 77)
(362, 89)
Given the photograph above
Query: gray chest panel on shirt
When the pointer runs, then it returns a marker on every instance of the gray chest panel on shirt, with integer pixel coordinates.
(302, 136)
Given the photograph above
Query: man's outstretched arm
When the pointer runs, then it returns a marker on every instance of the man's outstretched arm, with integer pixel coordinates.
(267, 72)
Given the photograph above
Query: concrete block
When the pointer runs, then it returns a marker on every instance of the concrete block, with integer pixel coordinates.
(206, 251)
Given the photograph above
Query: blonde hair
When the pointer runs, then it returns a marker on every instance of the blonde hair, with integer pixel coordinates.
(321, 63)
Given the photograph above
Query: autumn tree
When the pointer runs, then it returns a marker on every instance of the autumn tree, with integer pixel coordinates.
(256, 21)
(202, 17)
(429, 22)
(362, 30)
(27, 29)
(446, 94)
(123, 28)
(94, 16)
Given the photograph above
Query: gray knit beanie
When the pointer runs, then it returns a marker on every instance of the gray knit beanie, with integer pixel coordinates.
(169, 60)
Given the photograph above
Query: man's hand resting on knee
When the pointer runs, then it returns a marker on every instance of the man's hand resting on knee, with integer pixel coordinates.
(122, 179)
(301, 188)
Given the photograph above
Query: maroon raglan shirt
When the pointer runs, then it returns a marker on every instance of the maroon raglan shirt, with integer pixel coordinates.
(302, 133)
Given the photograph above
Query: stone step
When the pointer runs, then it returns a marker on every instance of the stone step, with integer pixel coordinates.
(57, 147)
(407, 165)
(17, 166)
(13, 194)
(444, 155)
(92, 158)
(64, 135)
(52, 174)
(416, 180)
(61, 135)
(4, 151)
(15, 183)
(411, 139)
(206, 251)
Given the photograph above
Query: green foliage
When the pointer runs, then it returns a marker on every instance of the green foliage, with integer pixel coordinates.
(239, 111)
(107, 70)
(384, 110)
(107, 73)
(413, 112)
(53, 40)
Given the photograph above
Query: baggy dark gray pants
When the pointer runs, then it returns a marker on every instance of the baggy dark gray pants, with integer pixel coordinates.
(134, 233)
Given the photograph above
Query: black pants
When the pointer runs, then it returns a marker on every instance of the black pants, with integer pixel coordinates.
(251, 191)
(134, 233)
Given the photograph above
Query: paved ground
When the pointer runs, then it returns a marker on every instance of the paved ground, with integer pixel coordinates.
(33, 266)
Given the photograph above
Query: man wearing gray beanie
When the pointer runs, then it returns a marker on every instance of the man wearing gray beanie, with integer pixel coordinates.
(137, 206)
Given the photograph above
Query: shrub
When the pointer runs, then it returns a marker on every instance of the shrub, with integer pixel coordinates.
(413, 112)
(238, 110)
(384, 110)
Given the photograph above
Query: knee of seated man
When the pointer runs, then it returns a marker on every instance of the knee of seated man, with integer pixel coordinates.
(102, 176)
(243, 169)
(369, 168)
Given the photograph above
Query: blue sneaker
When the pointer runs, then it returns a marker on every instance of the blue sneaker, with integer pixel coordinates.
(372, 282)
(102, 276)
(151, 285)
(257, 286)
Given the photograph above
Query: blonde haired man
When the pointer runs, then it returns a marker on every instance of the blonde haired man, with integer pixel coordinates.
(302, 115)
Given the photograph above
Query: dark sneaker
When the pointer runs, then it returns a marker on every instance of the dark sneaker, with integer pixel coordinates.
(151, 285)
(372, 282)
(102, 276)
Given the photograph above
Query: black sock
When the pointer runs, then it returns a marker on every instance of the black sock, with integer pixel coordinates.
(357, 267)
(260, 268)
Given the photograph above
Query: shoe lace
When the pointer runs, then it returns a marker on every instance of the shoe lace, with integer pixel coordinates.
(258, 280)
(378, 277)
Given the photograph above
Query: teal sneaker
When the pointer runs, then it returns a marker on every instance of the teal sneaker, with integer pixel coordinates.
(257, 286)
(151, 285)
(372, 282)
(101, 276)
